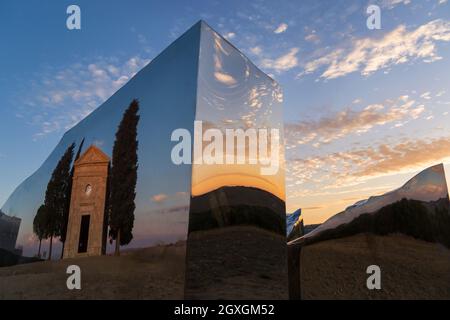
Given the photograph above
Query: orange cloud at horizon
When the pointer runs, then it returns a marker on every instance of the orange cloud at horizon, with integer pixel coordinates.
(340, 169)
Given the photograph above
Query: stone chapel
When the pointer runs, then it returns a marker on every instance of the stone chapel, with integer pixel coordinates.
(87, 224)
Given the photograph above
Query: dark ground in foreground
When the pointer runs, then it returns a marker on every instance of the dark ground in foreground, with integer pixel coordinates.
(241, 262)
(410, 268)
(334, 269)
(150, 273)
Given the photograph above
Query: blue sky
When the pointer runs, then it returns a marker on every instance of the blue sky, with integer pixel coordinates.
(364, 109)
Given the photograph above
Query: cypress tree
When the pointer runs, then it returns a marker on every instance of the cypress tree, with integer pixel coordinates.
(56, 196)
(65, 218)
(123, 178)
(39, 226)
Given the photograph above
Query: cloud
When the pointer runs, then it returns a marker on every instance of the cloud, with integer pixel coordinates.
(350, 168)
(312, 37)
(158, 198)
(281, 28)
(256, 50)
(172, 210)
(96, 71)
(312, 208)
(349, 121)
(229, 35)
(407, 155)
(225, 78)
(390, 4)
(283, 63)
(368, 55)
(440, 93)
(219, 73)
(68, 94)
(98, 143)
(163, 198)
(426, 95)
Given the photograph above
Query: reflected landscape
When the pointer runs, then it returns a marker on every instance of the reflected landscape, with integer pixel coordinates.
(150, 212)
(402, 231)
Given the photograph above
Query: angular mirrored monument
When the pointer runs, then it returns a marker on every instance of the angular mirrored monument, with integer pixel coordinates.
(237, 228)
(228, 215)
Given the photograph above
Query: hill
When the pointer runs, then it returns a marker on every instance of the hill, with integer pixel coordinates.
(233, 206)
(429, 221)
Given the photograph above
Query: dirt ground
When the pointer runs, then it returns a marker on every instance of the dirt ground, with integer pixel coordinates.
(410, 268)
(150, 273)
(335, 269)
(240, 262)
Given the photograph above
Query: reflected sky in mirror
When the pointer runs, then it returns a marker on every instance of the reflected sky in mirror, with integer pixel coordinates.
(234, 94)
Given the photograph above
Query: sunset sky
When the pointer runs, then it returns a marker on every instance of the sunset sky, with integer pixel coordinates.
(364, 110)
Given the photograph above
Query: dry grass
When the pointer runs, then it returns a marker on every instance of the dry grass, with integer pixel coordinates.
(410, 268)
(150, 273)
(241, 262)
